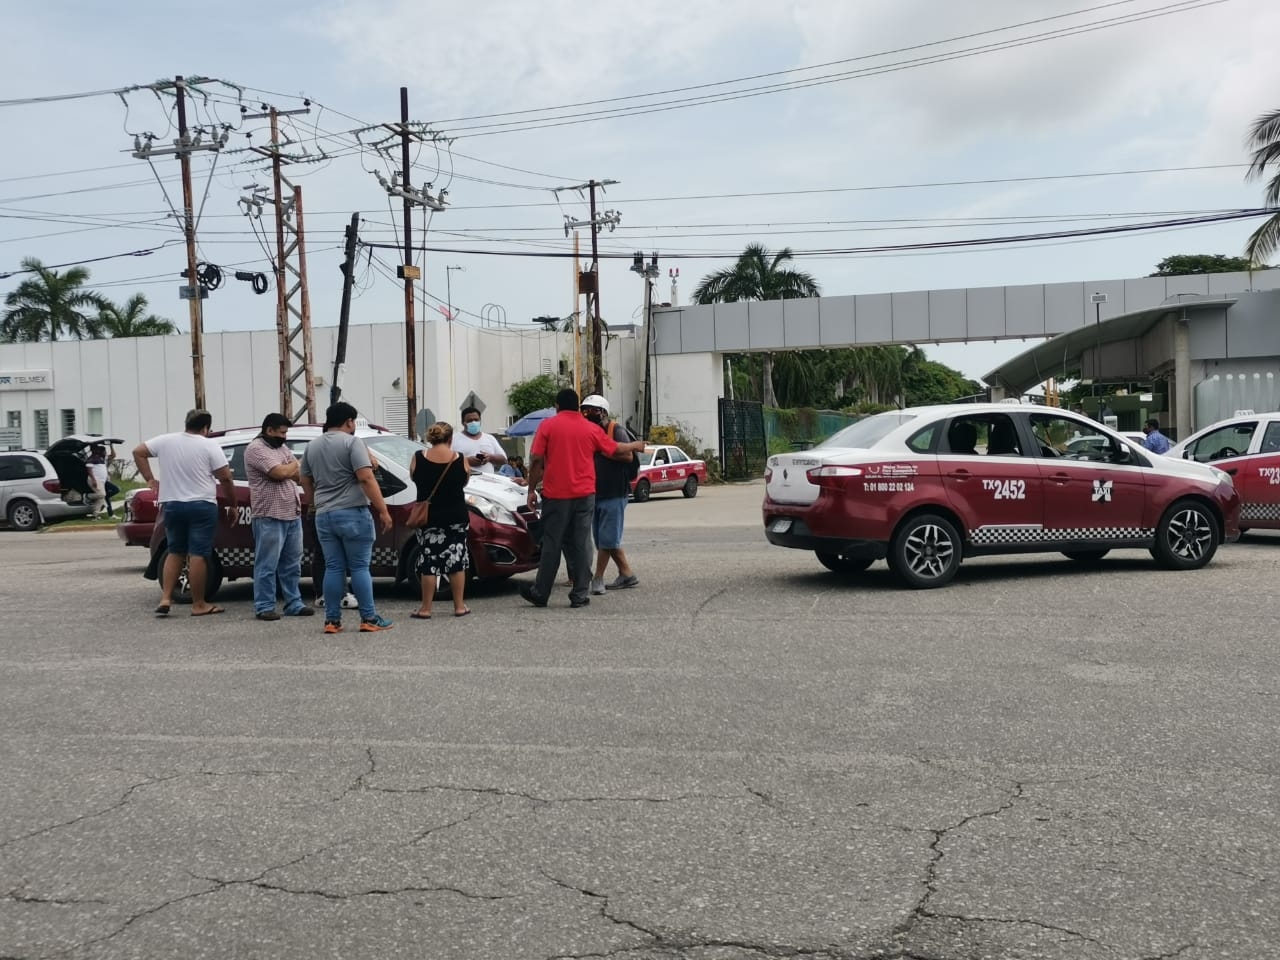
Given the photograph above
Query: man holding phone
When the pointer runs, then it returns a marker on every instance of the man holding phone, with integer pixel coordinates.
(481, 450)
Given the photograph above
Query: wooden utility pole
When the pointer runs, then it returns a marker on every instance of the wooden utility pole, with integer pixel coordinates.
(194, 290)
(344, 310)
(408, 271)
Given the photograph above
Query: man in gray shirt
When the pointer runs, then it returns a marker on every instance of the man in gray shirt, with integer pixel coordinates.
(337, 478)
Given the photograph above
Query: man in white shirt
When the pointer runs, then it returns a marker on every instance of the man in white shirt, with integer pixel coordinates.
(482, 451)
(190, 462)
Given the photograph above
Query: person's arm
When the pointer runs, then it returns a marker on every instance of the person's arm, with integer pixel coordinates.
(223, 476)
(284, 471)
(309, 492)
(495, 454)
(369, 484)
(142, 460)
(621, 455)
(537, 463)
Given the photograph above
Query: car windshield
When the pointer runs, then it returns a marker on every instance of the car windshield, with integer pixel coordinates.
(646, 458)
(868, 432)
(399, 450)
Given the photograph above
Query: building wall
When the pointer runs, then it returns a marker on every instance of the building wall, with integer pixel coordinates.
(144, 387)
(687, 389)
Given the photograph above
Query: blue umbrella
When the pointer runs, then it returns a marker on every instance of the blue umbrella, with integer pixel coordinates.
(527, 425)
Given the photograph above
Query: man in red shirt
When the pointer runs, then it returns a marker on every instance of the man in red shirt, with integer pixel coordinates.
(564, 448)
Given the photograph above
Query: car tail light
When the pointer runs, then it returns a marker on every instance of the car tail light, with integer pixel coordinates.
(832, 474)
(53, 486)
(768, 474)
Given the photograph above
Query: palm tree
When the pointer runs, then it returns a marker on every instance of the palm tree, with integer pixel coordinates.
(758, 275)
(50, 305)
(132, 320)
(1264, 136)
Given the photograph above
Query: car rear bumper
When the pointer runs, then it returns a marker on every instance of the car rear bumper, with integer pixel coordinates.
(135, 534)
(53, 510)
(792, 532)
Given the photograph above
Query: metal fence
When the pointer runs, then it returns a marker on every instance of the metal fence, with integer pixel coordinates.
(743, 446)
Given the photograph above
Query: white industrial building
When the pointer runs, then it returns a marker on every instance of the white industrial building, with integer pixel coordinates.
(137, 388)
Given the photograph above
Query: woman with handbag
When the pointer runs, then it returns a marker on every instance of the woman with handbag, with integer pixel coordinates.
(442, 519)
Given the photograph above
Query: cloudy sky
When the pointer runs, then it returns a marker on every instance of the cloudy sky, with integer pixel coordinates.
(831, 126)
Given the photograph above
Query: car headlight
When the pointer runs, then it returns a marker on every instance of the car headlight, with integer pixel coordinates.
(492, 511)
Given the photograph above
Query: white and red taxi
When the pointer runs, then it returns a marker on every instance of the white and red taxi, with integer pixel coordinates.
(927, 486)
(665, 468)
(1247, 446)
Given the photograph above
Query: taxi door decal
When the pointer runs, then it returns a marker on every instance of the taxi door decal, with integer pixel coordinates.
(1102, 491)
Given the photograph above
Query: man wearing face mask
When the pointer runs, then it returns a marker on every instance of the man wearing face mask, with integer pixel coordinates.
(273, 472)
(482, 451)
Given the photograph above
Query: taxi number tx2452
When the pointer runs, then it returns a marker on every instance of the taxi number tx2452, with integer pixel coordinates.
(925, 487)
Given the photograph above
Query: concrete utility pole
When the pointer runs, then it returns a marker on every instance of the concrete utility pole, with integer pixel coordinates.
(293, 341)
(650, 273)
(344, 311)
(590, 283)
(194, 290)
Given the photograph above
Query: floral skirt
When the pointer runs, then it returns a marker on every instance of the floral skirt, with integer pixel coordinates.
(443, 550)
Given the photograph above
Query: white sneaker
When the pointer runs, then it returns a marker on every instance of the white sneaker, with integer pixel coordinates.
(597, 586)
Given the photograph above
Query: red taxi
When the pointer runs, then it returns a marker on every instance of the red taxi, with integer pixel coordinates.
(925, 487)
(665, 468)
(504, 531)
(1247, 446)
(140, 512)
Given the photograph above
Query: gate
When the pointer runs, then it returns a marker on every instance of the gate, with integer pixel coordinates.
(743, 447)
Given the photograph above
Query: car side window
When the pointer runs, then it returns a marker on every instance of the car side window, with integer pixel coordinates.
(1271, 439)
(1223, 443)
(235, 459)
(1054, 435)
(922, 441)
(1002, 437)
(20, 468)
(660, 458)
(678, 456)
(9, 468)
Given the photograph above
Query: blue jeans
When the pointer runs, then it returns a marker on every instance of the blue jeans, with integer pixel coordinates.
(346, 537)
(189, 527)
(277, 562)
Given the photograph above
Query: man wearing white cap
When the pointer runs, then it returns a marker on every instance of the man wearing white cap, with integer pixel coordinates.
(613, 487)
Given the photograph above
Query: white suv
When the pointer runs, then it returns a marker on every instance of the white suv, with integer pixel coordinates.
(31, 494)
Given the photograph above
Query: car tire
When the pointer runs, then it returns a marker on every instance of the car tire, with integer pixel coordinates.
(925, 551)
(690, 488)
(24, 516)
(1085, 556)
(182, 592)
(838, 563)
(642, 491)
(1186, 537)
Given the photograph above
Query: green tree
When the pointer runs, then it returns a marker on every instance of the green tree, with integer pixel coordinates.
(536, 393)
(1264, 136)
(1182, 264)
(132, 320)
(926, 381)
(50, 306)
(760, 275)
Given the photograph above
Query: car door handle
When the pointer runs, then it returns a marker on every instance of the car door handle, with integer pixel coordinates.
(1060, 478)
(960, 475)
(1232, 471)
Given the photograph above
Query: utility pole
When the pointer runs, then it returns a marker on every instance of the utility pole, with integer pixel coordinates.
(610, 219)
(409, 272)
(194, 290)
(650, 273)
(400, 186)
(348, 269)
(448, 318)
(293, 341)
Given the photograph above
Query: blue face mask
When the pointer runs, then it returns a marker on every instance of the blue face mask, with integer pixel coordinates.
(473, 427)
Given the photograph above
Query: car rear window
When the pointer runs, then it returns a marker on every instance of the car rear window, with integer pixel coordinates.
(868, 432)
(396, 449)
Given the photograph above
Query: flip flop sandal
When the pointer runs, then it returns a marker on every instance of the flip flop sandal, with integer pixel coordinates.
(163, 610)
(210, 612)
(419, 616)
(465, 612)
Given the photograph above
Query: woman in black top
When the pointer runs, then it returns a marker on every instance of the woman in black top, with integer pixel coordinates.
(442, 543)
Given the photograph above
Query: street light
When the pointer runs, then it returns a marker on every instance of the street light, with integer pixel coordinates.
(1098, 299)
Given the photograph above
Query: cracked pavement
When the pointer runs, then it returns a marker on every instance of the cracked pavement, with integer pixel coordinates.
(745, 758)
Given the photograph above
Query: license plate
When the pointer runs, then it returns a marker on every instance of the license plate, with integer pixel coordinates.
(780, 525)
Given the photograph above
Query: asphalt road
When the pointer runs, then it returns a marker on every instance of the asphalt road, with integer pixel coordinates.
(743, 757)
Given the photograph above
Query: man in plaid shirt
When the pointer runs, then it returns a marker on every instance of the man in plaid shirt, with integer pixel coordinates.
(277, 521)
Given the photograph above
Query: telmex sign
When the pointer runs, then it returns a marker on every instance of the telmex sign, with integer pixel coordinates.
(26, 379)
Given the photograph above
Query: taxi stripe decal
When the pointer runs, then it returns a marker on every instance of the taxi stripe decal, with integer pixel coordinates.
(1259, 511)
(243, 557)
(1030, 533)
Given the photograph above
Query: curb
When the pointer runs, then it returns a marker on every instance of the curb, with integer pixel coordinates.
(63, 528)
